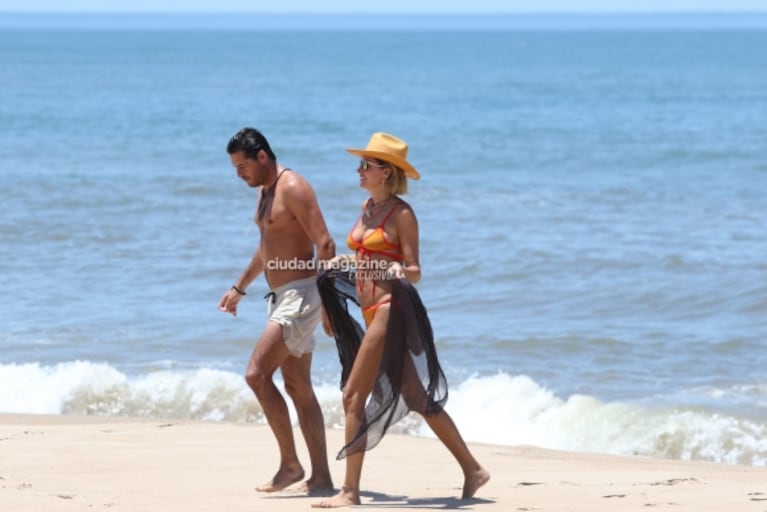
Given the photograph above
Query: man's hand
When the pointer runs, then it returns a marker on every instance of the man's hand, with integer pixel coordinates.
(229, 302)
(326, 323)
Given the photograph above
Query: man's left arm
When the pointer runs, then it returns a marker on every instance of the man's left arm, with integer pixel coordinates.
(302, 202)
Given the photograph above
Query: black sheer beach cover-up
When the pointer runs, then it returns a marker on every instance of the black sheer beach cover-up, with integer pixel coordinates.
(409, 377)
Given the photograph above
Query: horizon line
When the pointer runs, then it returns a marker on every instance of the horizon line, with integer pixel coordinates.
(404, 13)
(396, 21)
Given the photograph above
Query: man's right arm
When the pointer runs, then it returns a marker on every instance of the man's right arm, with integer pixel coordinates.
(228, 303)
(252, 271)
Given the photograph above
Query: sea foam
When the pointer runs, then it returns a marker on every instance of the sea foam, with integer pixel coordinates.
(498, 409)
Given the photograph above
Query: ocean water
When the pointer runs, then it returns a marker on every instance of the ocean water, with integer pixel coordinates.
(592, 215)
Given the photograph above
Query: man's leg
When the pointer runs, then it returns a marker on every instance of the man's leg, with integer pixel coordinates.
(298, 384)
(269, 353)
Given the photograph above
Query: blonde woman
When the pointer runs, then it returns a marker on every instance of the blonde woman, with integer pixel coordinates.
(392, 368)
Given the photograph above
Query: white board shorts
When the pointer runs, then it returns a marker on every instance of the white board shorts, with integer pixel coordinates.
(297, 307)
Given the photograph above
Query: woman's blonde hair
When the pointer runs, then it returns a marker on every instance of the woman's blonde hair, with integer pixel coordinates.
(396, 183)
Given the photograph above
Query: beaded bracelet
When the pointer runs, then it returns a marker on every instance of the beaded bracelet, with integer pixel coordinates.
(241, 292)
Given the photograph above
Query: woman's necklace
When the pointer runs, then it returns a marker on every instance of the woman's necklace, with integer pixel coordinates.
(371, 208)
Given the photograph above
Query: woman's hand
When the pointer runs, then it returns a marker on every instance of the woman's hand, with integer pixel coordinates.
(340, 262)
(395, 270)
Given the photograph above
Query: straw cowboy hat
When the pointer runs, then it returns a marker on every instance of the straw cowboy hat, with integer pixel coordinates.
(388, 148)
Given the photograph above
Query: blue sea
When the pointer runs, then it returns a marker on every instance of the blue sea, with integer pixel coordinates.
(593, 214)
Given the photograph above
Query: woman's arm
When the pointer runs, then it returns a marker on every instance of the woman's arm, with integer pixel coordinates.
(407, 230)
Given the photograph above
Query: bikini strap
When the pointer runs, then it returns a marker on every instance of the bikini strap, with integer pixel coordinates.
(383, 222)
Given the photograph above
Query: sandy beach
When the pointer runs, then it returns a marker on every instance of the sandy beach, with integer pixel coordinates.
(64, 463)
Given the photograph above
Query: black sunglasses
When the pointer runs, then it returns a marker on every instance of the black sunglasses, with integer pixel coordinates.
(364, 164)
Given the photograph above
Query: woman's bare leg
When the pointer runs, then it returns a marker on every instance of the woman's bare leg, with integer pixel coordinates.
(356, 391)
(475, 476)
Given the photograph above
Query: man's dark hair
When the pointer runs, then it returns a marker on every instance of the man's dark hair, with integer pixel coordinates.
(250, 141)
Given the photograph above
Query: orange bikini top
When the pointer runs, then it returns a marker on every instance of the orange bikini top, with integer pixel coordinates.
(376, 242)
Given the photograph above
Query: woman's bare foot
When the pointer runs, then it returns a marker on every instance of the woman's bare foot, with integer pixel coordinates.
(282, 479)
(346, 497)
(474, 481)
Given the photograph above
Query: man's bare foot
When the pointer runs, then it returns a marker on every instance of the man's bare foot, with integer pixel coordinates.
(315, 487)
(474, 481)
(346, 497)
(282, 479)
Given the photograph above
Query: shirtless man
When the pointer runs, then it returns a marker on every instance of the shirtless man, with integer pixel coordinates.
(291, 226)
